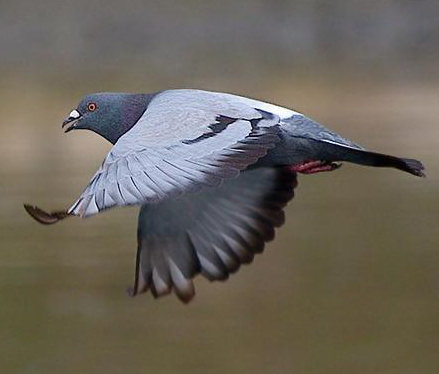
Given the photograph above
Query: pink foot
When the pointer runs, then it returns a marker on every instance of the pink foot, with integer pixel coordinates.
(312, 167)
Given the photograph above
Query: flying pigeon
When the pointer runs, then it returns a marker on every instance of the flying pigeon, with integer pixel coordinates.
(212, 173)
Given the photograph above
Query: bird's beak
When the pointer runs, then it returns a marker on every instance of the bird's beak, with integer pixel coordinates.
(72, 118)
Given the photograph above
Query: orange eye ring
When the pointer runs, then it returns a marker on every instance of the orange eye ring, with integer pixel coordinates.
(91, 107)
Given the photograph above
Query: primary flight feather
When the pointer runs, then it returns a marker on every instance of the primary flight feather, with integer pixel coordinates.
(211, 171)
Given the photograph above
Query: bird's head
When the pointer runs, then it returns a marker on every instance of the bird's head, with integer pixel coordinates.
(108, 114)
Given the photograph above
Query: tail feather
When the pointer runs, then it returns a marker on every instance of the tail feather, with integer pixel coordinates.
(364, 157)
(411, 166)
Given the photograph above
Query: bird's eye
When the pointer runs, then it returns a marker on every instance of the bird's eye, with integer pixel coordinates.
(91, 107)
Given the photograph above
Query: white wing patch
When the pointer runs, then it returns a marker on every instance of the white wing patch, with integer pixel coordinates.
(282, 112)
(340, 144)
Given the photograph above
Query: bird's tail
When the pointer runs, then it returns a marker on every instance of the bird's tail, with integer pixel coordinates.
(368, 158)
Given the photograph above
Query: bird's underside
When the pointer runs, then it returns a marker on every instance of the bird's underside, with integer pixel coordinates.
(212, 173)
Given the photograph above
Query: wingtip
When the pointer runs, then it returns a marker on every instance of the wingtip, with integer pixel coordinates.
(44, 217)
(185, 296)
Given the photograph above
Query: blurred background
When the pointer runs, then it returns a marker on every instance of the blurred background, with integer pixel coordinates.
(351, 283)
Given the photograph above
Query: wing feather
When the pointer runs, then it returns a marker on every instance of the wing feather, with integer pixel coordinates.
(211, 232)
(152, 180)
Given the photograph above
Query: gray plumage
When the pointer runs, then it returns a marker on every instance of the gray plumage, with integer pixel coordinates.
(211, 171)
(212, 232)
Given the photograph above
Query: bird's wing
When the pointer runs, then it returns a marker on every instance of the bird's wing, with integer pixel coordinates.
(212, 232)
(186, 139)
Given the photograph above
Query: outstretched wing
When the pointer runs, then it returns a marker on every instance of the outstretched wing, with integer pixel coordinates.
(185, 140)
(213, 231)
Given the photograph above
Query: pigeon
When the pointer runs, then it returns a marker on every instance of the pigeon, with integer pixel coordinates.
(212, 173)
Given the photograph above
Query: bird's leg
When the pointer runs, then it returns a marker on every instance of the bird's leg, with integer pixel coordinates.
(312, 167)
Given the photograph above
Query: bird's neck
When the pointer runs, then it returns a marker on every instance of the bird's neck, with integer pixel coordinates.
(132, 108)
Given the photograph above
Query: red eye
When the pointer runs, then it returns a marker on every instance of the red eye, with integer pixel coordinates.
(91, 107)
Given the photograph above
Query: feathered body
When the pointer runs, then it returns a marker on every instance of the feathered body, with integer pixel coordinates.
(212, 173)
